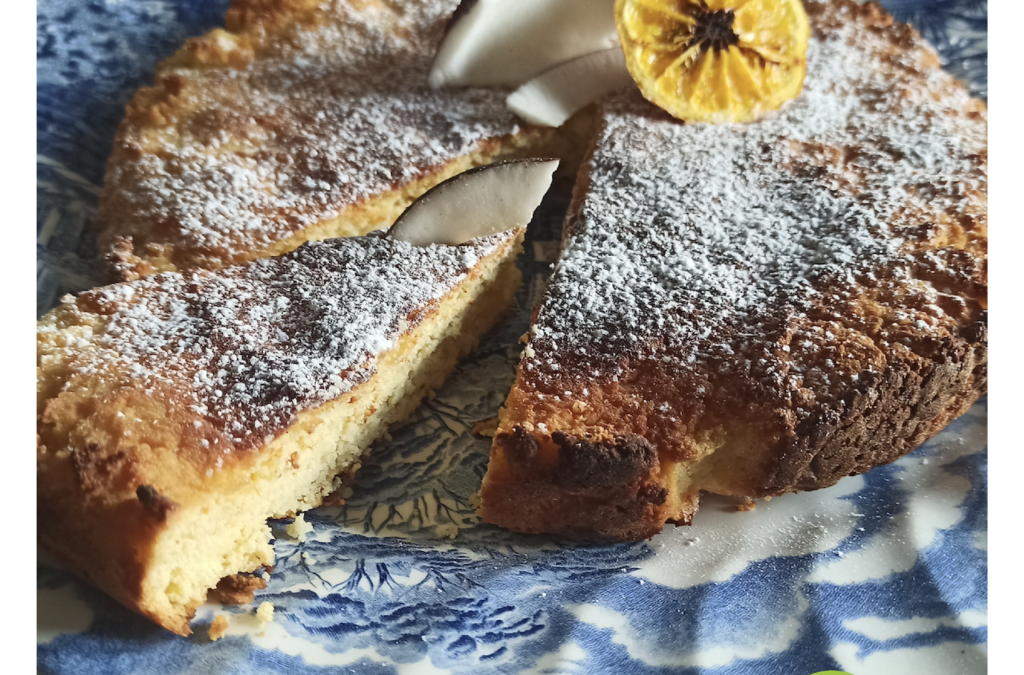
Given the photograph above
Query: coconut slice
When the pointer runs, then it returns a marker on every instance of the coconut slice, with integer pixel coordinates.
(477, 203)
(506, 42)
(553, 96)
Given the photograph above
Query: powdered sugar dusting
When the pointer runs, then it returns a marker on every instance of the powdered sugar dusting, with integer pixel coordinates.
(703, 247)
(247, 348)
(324, 117)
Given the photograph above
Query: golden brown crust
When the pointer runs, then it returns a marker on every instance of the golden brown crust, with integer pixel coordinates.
(137, 425)
(754, 385)
(298, 123)
(576, 487)
(911, 402)
(264, 16)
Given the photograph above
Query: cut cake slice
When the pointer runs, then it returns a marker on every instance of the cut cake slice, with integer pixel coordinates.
(178, 412)
(755, 309)
(302, 121)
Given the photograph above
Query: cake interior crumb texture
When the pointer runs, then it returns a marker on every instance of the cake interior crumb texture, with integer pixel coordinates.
(177, 418)
(299, 528)
(265, 612)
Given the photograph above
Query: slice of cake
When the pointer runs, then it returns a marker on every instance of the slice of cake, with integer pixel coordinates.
(302, 121)
(755, 309)
(178, 412)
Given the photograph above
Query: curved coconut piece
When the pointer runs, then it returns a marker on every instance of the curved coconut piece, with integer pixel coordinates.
(506, 42)
(478, 203)
(556, 94)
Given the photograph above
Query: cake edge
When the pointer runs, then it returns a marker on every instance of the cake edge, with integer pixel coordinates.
(118, 545)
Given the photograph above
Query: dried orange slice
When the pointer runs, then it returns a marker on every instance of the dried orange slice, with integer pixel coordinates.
(715, 60)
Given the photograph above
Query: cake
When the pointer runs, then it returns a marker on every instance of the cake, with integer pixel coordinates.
(757, 309)
(301, 121)
(180, 411)
(747, 310)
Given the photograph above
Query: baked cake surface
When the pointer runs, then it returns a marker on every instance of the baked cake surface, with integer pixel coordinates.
(304, 120)
(755, 309)
(178, 412)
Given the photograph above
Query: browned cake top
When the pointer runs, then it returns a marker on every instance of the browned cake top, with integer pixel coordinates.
(763, 268)
(250, 137)
(240, 351)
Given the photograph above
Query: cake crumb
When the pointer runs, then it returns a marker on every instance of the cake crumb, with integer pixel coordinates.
(299, 528)
(449, 530)
(746, 504)
(218, 628)
(265, 612)
(487, 427)
(476, 501)
(333, 499)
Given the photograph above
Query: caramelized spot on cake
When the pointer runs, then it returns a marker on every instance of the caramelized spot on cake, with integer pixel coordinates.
(652, 493)
(590, 463)
(237, 589)
(520, 446)
(156, 503)
(97, 468)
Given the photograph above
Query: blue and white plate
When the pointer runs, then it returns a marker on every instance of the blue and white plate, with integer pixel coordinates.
(883, 573)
